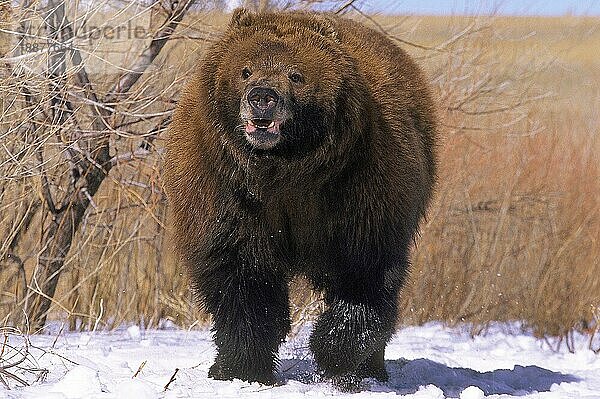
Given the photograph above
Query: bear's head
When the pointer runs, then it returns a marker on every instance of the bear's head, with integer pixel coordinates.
(279, 80)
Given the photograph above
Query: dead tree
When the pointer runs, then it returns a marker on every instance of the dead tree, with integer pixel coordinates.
(89, 155)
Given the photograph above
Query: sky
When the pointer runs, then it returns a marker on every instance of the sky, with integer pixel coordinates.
(510, 7)
(506, 7)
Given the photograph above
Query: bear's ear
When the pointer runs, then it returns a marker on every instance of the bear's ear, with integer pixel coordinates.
(241, 17)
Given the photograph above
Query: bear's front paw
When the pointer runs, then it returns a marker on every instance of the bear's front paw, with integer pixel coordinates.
(217, 372)
(374, 367)
(378, 373)
(348, 382)
(353, 381)
(220, 371)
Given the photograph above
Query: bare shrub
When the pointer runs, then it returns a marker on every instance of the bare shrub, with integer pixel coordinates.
(18, 367)
(80, 192)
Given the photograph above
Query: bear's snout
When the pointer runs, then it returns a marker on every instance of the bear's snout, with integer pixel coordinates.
(263, 114)
(263, 101)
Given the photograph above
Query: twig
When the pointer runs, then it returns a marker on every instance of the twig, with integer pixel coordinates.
(4, 345)
(51, 352)
(12, 376)
(3, 381)
(57, 336)
(140, 369)
(345, 6)
(171, 380)
(101, 304)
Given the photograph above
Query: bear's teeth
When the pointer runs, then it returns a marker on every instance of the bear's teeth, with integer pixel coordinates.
(272, 124)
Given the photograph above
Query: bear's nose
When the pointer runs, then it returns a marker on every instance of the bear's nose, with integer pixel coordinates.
(263, 99)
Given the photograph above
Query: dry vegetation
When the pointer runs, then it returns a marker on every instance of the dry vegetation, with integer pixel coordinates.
(512, 235)
(514, 231)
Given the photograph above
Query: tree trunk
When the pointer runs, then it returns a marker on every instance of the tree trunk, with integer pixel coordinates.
(89, 170)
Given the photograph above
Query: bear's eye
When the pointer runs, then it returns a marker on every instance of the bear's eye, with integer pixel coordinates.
(246, 73)
(296, 77)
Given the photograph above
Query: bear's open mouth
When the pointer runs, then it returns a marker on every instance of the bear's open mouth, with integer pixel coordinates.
(263, 133)
(264, 125)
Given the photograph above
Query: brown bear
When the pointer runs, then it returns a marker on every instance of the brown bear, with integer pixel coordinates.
(303, 144)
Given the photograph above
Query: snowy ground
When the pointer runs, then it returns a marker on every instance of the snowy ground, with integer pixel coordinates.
(423, 362)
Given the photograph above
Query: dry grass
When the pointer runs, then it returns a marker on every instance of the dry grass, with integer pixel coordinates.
(512, 234)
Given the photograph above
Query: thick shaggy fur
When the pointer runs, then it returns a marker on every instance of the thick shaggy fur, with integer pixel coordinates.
(337, 199)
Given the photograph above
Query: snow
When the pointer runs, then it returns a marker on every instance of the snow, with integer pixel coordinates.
(472, 392)
(134, 333)
(426, 362)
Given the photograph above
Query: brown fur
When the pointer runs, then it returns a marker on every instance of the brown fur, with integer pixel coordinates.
(337, 199)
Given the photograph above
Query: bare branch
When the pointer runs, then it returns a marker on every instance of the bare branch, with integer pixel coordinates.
(344, 7)
(151, 52)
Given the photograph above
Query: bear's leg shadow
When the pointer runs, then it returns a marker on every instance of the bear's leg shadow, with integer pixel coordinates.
(250, 310)
(349, 338)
